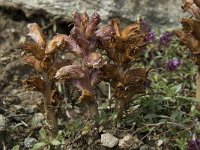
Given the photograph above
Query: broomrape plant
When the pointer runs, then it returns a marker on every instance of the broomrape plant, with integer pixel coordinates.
(123, 47)
(86, 40)
(41, 56)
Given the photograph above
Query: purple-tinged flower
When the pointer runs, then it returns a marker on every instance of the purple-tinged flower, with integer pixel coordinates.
(147, 84)
(145, 27)
(165, 38)
(150, 37)
(173, 64)
(194, 145)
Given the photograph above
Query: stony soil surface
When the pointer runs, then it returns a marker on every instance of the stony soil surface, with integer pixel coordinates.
(17, 105)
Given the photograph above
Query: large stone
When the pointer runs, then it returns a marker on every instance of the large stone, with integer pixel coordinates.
(3, 123)
(108, 140)
(159, 13)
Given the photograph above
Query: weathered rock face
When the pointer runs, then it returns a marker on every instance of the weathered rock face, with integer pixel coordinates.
(159, 13)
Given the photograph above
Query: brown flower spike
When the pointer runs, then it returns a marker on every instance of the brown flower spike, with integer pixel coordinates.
(41, 56)
(123, 46)
(86, 75)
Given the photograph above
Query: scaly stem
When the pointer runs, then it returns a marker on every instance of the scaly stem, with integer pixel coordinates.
(120, 99)
(93, 110)
(50, 111)
(52, 121)
(120, 108)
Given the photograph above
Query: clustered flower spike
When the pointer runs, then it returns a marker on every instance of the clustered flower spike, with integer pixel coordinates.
(86, 75)
(125, 44)
(40, 55)
(122, 47)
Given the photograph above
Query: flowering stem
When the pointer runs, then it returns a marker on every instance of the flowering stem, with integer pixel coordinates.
(120, 105)
(120, 108)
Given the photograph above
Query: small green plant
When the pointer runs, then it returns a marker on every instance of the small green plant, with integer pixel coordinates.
(45, 142)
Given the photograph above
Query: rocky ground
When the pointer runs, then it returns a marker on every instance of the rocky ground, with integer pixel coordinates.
(17, 106)
(143, 128)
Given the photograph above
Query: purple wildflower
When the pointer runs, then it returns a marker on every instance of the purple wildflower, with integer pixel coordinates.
(165, 38)
(145, 26)
(147, 84)
(194, 145)
(173, 64)
(150, 37)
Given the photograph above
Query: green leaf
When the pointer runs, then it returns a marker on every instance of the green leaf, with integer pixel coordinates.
(60, 88)
(150, 116)
(55, 142)
(189, 99)
(177, 88)
(176, 115)
(16, 147)
(42, 133)
(39, 145)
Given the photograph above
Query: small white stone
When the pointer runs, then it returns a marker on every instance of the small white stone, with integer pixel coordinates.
(159, 142)
(129, 141)
(108, 140)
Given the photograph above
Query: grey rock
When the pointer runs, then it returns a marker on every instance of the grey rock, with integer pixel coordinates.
(103, 86)
(31, 96)
(32, 109)
(159, 13)
(3, 123)
(29, 142)
(18, 109)
(129, 141)
(10, 100)
(108, 140)
(37, 120)
(144, 147)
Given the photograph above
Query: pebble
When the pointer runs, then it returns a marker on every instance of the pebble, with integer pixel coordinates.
(129, 142)
(37, 120)
(29, 142)
(108, 140)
